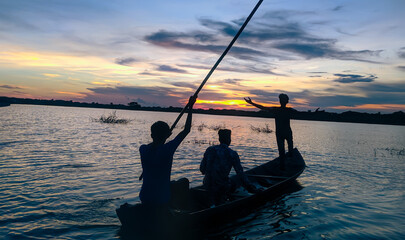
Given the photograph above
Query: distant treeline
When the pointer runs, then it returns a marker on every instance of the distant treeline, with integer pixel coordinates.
(396, 118)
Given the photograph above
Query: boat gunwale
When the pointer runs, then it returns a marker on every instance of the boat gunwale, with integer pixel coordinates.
(295, 176)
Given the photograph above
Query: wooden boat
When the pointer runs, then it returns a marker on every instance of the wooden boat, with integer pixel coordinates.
(189, 207)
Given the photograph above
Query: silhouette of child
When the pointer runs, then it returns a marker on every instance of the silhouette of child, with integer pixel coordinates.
(283, 129)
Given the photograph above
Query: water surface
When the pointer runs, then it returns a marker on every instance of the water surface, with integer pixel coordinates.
(62, 175)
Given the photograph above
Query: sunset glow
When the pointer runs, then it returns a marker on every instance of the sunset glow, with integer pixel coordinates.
(235, 103)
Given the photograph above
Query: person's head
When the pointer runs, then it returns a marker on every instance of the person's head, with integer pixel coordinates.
(160, 131)
(283, 99)
(225, 136)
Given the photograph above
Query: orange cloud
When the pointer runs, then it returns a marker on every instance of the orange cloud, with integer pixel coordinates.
(79, 95)
(301, 101)
(392, 107)
(99, 83)
(52, 75)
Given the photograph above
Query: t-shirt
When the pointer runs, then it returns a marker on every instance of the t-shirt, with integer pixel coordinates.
(217, 164)
(157, 166)
(282, 118)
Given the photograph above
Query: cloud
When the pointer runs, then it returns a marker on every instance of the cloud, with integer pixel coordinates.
(352, 78)
(13, 91)
(373, 107)
(78, 28)
(125, 61)
(203, 67)
(121, 94)
(282, 39)
(335, 98)
(233, 81)
(372, 93)
(191, 86)
(10, 87)
(166, 36)
(51, 75)
(240, 68)
(325, 49)
(167, 68)
(393, 88)
(78, 95)
(148, 73)
(13, 21)
(401, 52)
(188, 42)
(264, 95)
(307, 50)
(222, 27)
(317, 74)
(37, 13)
(174, 40)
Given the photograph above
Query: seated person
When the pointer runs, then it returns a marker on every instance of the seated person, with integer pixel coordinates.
(216, 165)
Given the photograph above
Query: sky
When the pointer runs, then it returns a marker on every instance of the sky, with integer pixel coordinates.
(336, 55)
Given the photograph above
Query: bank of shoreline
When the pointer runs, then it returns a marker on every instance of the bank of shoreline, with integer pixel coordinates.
(396, 118)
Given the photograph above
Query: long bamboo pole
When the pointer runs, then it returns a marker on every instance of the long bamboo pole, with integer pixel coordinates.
(219, 61)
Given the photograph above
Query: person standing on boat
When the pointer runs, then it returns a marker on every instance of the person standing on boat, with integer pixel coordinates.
(283, 129)
(157, 159)
(216, 165)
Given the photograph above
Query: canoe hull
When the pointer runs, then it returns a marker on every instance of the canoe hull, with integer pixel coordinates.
(198, 216)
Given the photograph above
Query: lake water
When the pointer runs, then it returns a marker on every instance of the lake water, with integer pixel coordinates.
(62, 175)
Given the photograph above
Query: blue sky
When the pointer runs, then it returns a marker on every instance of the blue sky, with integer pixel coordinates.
(336, 55)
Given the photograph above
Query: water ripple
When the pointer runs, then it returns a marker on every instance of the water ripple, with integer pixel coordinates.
(62, 175)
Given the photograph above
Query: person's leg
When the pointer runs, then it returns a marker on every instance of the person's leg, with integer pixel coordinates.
(290, 143)
(180, 197)
(216, 195)
(281, 150)
(222, 194)
(280, 145)
(211, 197)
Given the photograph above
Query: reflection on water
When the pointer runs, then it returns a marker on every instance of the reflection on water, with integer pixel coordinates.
(62, 175)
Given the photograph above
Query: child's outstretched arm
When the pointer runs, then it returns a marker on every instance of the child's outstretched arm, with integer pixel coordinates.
(248, 100)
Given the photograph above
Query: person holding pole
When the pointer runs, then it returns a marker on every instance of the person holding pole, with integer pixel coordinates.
(157, 159)
(283, 129)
